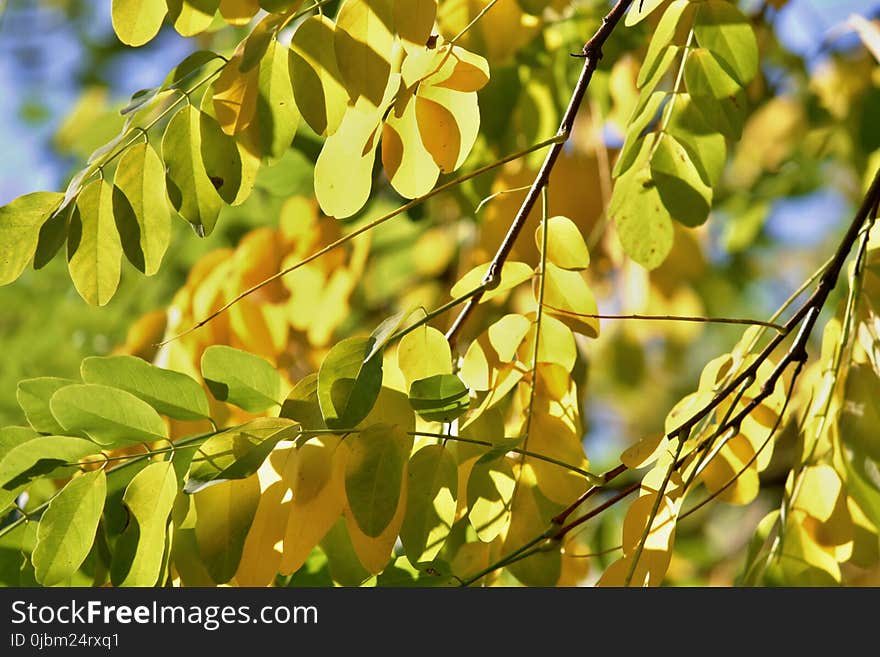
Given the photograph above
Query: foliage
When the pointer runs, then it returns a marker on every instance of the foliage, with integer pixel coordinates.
(295, 408)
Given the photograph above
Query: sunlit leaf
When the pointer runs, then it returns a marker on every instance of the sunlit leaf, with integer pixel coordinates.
(413, 22)
(705, 76)
(190, 17)
(348, 386)
(33, 396)
(489, 493)
(568, 297)
(67, 528)
(363, 43)
(679, 184)
(565, 244)
(94, 250)
(240, 378)
(723, 30)
(43, 455)
(511, 275)
(432, 502)
(662, 38)
(20, 224)
(406, 160)
(137, 21)
(439, 398)
(639, 10)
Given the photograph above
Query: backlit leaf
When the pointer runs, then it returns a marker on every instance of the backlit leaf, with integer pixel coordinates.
(723, 30)
(439, 398)
(568, 297)
(137, 21)
(42, 455)
(190, 17)
(277, 117)
(683, 192)
(67, 528)
(348, 386)
(662, 38)
(449, 122)
(431, 502)
(639, 10)
(511, 275)
(565, 244)
(94, 250)
(407, 162)
(20, 224)
(363, 43)
(241, 378)
(33, 396)
(413, 22)
(489, 493)
(109, 416)
(705, 76)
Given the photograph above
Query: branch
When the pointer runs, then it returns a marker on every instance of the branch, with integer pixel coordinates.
(592, 53)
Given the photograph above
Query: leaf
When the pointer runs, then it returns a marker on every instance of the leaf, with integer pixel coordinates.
(439, 398)
(235, 95)
(316, 477)
(94, 251)
(224, 162)
(43, 455)
(33, 396)
(556, 343)
(568, 298)
(67, 528)
(507, 334)
(644, 226)
(645, 452)
(682, 191)
(109, 416)
(661, 39)
(704, 145)
(643, 115)
(407, 162)
(374, 474)
(190, 17)
(140, 176)
(860, 411)
(237, 377)
(171, 393)
(489, 493)
(137, 21)
(348, 386)
(21, 222)
(449, 122)
(722, 29)
(191, 191)
(238, 12)
(512, 274)
(277, 117)
(461, 71)
(237, 453)
(363, 43)
(149, 498)
(726, 115)
(565, 244)
(422, 353)
(704, 76)
(317, 82)
(302, 405)
(639, 10)
(431, 502)
(224, 514)
(413, 22)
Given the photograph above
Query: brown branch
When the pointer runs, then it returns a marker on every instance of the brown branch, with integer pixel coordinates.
(677, 318)
(592, 53)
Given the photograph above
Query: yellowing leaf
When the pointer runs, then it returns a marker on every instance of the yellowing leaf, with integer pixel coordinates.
(507, 334)
(363, 43)
(565, 244)
(277, 117)
(94, 250)
(568, 297)
(820, 486)
(728, 471)
(556, 344)
(490, 490)
(413, 22)
(137, 21)
(679, 183)
(235, 96)
(461, 71)
(238, 12)
(316, 477)
(20, 223)
(407, 163)
(449, 121)
(554, 437)
(432, 501)
(192, 16)
(422, 353)
(639, 10)
(140, 176)
(317, 82)
(511, 275)
(644, 452)
(529, 518)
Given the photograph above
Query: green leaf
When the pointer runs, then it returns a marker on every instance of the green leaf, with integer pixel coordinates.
(238, 377)
(722, 29)
(277, 116)
(363, 44)
(374, 475)
(53, 235)
(223, 161)
(109, 416)
(489, 492)
(302, 405)
(42, 455)
(432, 494)
(705, 146)
(860, 412)
(33, 396)
(644, 226)
(21, 222)
(140, 177)
(67, 528)
(347, 385)
(192, 16)
(94, 250)
(661, 39)
(639, 10)
(149, 498)
(137, 21)
(641, 120)
(687, 198)
(705, 76)
(13, 437)
(237, 453)
(190, 189)
(439, 398)
(317, 82)
(171, 393)
(726, 115)
(224, 514)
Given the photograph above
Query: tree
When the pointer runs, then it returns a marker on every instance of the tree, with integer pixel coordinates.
(388, 374)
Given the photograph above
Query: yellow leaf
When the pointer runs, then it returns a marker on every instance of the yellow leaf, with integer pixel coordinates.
(191, 17)
(317, 82)
(507, 334)
(449, 121)
(644, 452)
(463, 71)
(316, 478)
(565, 244)
(639, 10)
(527, 521)
(235, 96)
(726, 466)
(553, 437)
(407, 163)
(512, 274)
(94, 250)
(820, 486)
(556, 344)
(363, 43)
(490, 490)
(413, 22)
(568, 297)
(137, 21)
(238, 12)
(422, 353)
